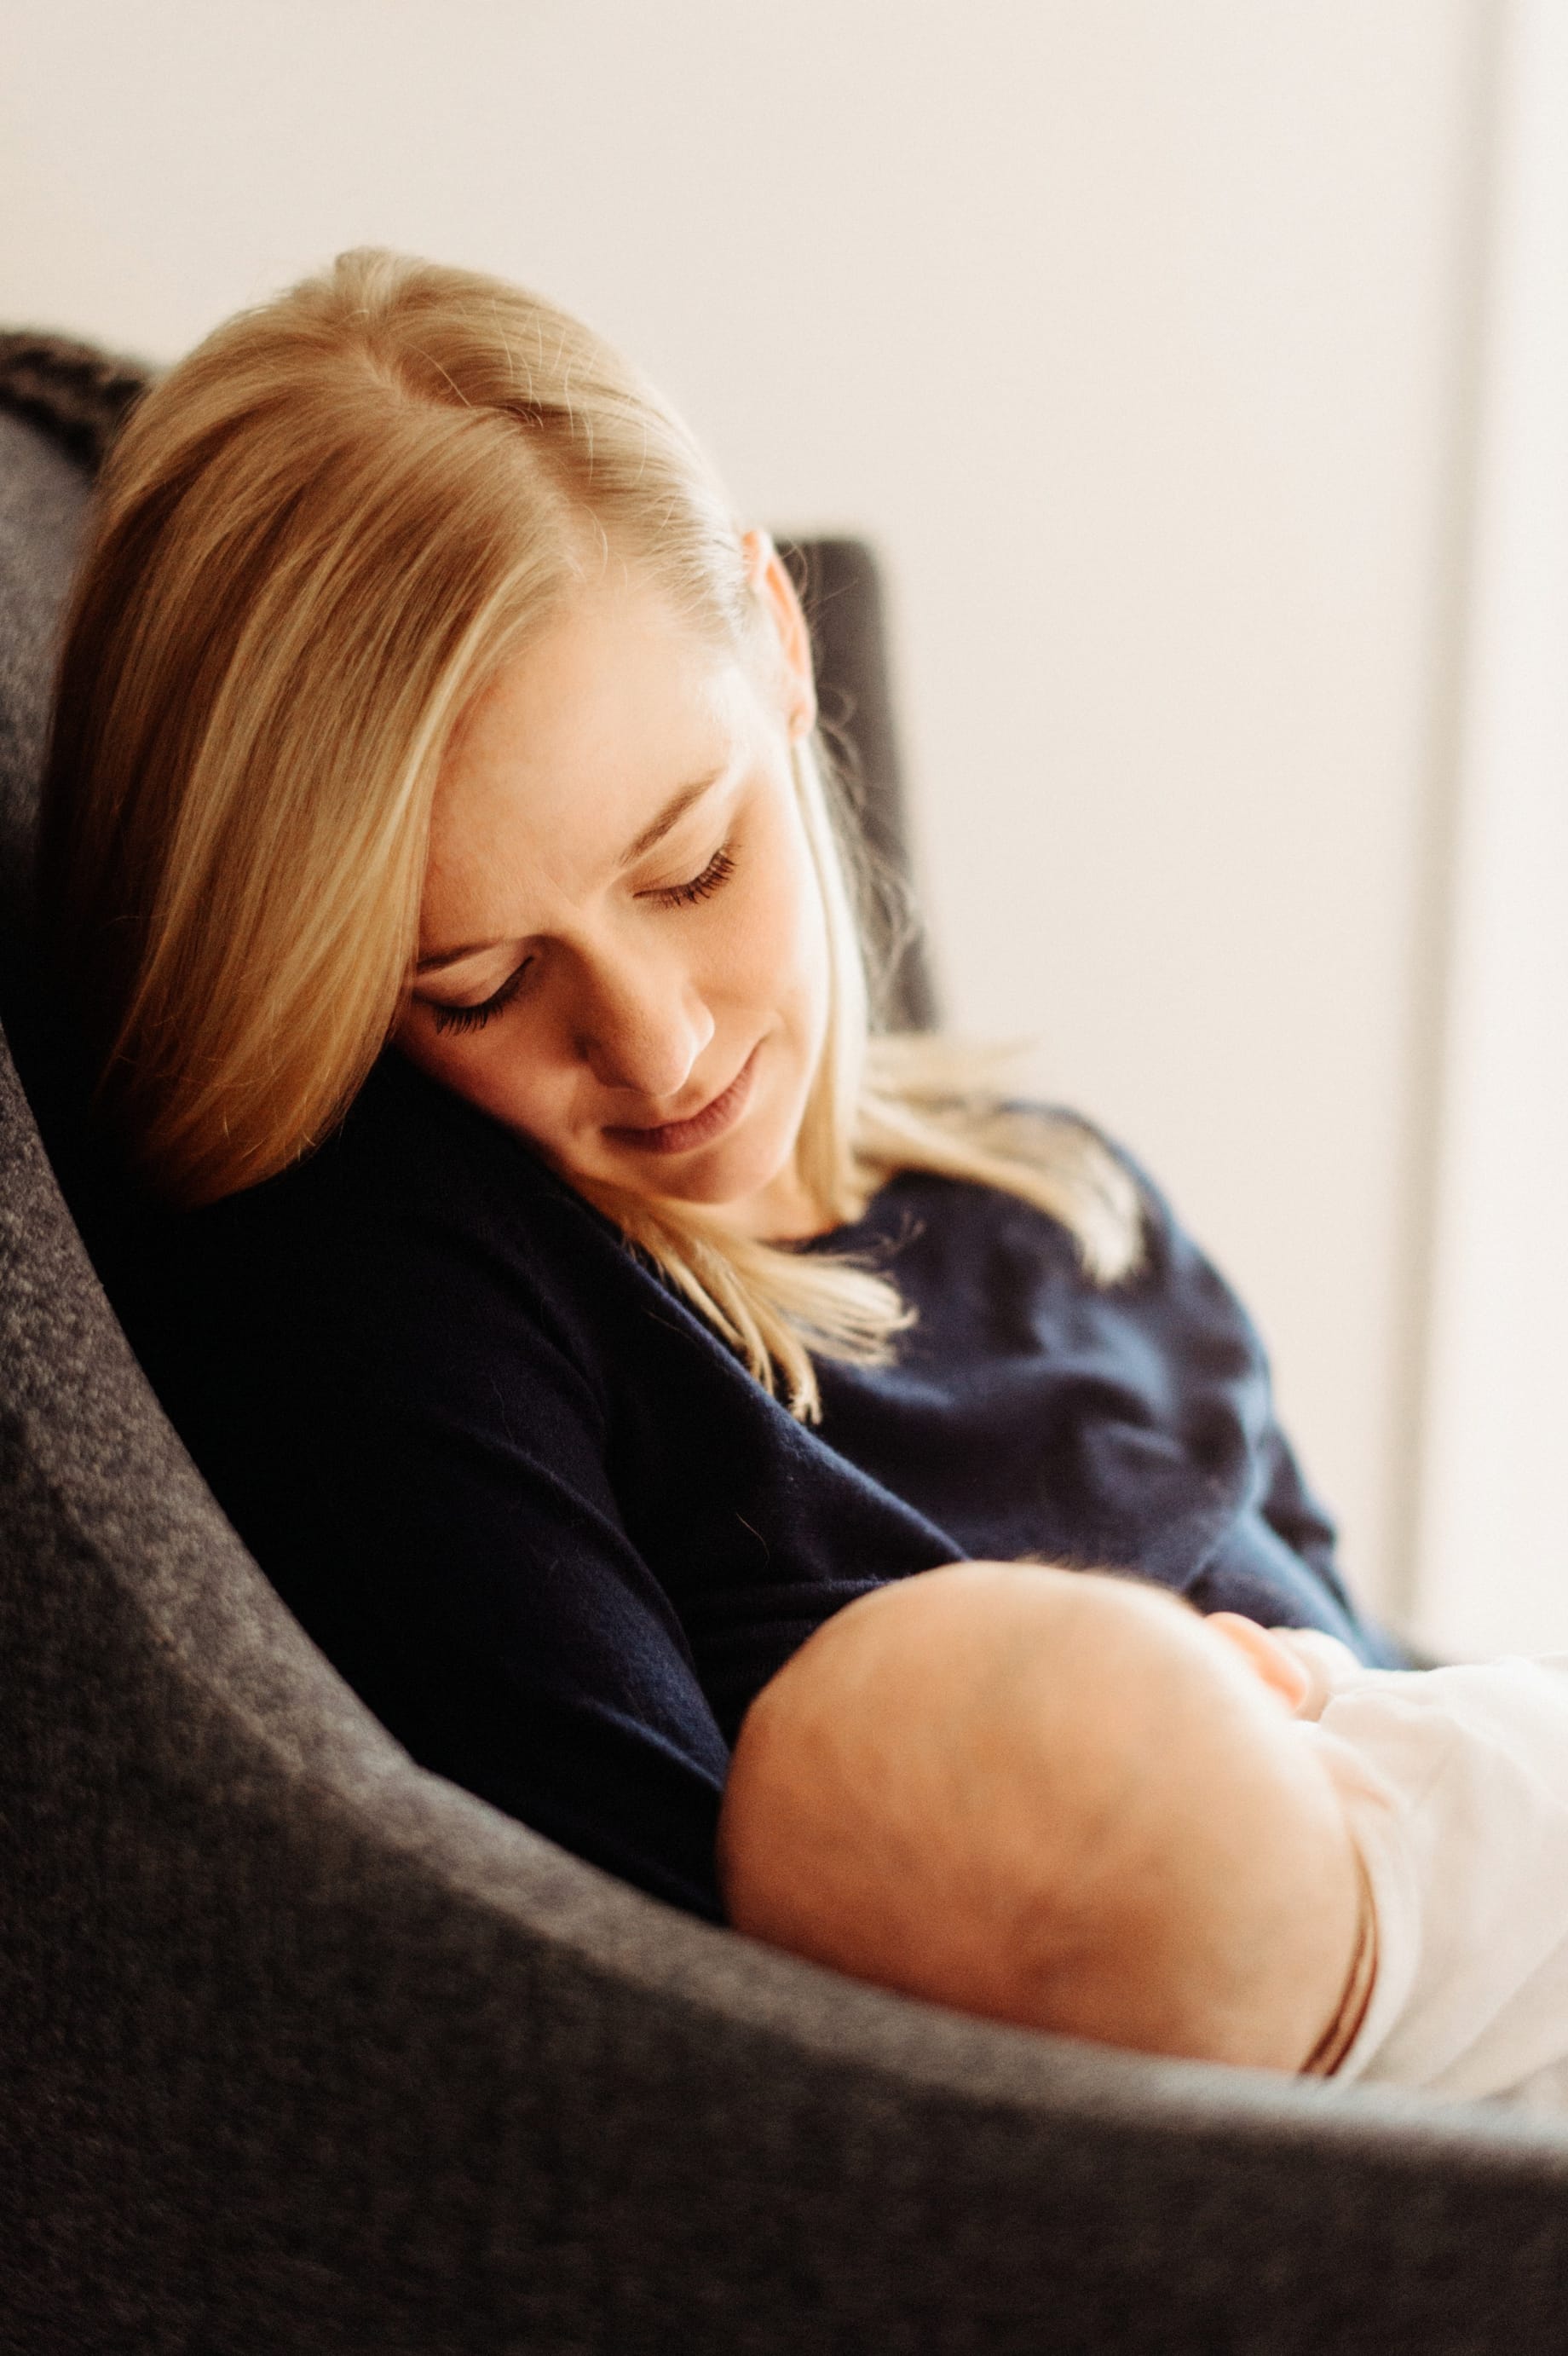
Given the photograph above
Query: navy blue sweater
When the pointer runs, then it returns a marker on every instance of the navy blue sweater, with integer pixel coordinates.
(556, 1537)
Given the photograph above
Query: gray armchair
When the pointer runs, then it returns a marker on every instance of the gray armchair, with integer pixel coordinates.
(302, 2049)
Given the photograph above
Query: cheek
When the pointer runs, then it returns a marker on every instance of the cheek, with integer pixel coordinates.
(775, 933)
(530, 1089)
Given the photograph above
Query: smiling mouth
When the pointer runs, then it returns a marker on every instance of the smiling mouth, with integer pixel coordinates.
(683, 1136)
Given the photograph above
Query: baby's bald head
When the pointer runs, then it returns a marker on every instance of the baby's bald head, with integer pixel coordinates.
(1053, 1797)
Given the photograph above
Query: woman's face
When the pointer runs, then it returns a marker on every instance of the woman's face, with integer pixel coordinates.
(623, 953)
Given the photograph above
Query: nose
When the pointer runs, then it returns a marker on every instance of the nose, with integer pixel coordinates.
(640, 1025)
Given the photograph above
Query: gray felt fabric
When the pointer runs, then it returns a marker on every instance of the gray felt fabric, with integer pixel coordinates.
(841, 588)
(305, 2051)
(43, 498)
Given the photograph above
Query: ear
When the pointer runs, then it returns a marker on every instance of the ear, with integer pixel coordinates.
(769, 580)
(1265, 1656)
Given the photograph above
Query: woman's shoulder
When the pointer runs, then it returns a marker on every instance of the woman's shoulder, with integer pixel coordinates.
(418, 1217)
(1033, 1135)
(942, 1234)
(410, 1154)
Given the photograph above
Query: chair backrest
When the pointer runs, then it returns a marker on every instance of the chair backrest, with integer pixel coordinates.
(60, 402)
(841, 588)
(43, 502)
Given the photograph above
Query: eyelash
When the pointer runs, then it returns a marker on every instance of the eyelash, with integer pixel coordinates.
(718, 870)
(717, 873)
(475, 1018)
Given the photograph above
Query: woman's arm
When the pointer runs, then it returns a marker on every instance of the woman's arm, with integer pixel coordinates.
(1271, 1553)
(386, 1409)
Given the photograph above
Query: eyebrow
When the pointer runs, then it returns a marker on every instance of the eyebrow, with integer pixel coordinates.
(669, 818)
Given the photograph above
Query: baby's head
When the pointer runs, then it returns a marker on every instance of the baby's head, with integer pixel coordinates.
(1058, 1798)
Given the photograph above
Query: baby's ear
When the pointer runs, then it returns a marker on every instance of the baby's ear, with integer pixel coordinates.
(1269, 1660)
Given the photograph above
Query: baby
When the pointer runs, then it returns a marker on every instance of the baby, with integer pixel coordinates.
(1066, 1800)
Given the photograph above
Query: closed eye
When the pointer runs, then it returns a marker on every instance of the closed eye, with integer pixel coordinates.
(475, 1018)
(717, 873)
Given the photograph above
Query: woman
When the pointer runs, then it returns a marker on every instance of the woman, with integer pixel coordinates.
(570, 1303)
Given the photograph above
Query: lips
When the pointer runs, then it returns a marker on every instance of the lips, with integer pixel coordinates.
(701, 1128)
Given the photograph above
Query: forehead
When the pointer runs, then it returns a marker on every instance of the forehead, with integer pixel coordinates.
(583, 735)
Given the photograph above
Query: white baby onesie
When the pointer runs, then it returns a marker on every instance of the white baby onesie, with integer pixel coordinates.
(1460, 1806)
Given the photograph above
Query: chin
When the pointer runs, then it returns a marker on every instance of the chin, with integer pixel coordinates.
(727, 1173)
(735, 1182)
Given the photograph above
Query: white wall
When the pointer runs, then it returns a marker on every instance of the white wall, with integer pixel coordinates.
(1494, 1536)
(1136, 333)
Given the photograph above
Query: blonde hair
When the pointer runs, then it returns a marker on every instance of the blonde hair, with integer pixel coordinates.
(317, 539)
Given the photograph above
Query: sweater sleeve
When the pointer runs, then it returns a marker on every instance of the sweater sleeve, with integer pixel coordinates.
(415, 1448)
(1273, 1553)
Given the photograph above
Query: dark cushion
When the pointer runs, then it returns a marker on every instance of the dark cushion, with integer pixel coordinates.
(43, 504)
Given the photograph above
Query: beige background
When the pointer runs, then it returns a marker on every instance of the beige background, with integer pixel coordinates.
(1139, 333)
(1492, 1537)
